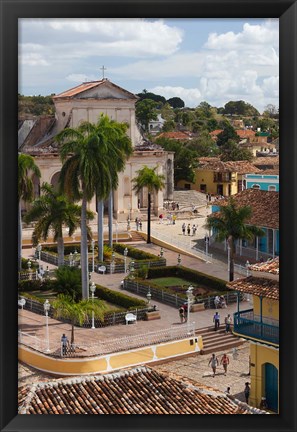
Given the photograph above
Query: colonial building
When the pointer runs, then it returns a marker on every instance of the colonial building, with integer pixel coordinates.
(260, 326)
(86, 102)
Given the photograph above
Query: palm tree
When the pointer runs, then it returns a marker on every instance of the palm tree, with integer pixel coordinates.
(231, 224)
(78, 313)
(26, 170)
(147, 177)
(89, 168)
(119, 148)
(52, 211)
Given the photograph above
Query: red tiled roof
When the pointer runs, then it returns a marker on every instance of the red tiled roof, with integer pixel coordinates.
(264, 204)
(270, 266)
(240, 167)
(175, 135)
(136, 391)
(87, 86)
(242, 133)
(269, 160)
(260, 287)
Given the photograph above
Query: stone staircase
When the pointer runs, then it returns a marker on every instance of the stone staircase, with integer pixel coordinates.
(136, 237)
(186, 198)
(214, 341)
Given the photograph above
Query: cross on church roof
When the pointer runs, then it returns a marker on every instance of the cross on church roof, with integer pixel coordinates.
(103, 68)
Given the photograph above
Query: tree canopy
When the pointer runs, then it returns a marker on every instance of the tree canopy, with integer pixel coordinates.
(146, 110)
(240, 108)
(176, 102)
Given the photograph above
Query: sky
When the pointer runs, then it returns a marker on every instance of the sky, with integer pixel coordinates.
(212, 60)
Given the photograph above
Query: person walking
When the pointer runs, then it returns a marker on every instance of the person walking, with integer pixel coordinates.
(140, 224)
(184, 228)
(216, 301)
(247, 391)
(216, 320)
(213, 362)
(225, 362)
(228, 322)
(193, 229)
(173, 219)
(65, 343)
(189, 229)
(137, 223)
(181, 314)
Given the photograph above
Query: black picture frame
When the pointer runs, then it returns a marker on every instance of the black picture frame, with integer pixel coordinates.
(11, 11)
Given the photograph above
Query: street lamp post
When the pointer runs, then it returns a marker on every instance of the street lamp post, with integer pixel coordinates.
(38, 248)
(228, 247)
(206, 238)
(93, 289)
(149, 297)
(116, 225)
(93, 255)
(46, 306)
(29, 268)
(112, 265)
(189, 293)
(125, 258)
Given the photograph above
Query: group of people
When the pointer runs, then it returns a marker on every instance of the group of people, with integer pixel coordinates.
(171, 205)
(214, 362)
(228, 322)
(220, 302)
(189, 229)
(138, 222)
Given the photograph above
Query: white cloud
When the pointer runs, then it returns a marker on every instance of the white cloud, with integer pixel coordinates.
(79, 78)
(255, 36)
(33, 59)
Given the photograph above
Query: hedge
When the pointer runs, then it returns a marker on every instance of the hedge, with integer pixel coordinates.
(191, 275)
(133, 252)
(118, 298)
(36, 285)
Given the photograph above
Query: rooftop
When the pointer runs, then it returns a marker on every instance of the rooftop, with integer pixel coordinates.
(264, 204)
(74, 91)
(140, 390)
(270, 266)
(175, 135)
(258, 286)
(240, 167)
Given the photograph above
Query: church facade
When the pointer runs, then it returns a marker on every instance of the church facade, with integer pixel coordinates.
(86, 102)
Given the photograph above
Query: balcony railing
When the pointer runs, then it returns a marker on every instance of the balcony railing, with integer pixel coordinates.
(250, 327)
(222, 178)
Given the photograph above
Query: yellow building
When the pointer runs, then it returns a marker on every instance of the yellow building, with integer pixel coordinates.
(219, 178)
(260, 326)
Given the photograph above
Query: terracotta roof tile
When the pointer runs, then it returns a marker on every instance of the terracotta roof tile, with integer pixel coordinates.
(270, 266)
(134, 391)
(260, 287)
(268, 160)
(242, 133)
(264, 204)
(87, 86)
(240, 167)
(175, 135)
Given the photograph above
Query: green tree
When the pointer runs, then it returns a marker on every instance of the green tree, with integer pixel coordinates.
(231, 224)
(176, 102)
(240, 108)
(148, 178)
(184, 158)
(228, 133)
(232, 152)
(168, 126)
(145, 112)
(52, 211)
(27, 169)
(204, 145)
(92, 156)
(68, 282)
(78, 313)
(149, 95)
(204, 110)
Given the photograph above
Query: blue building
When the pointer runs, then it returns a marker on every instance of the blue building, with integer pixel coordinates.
(265, 215)
(267, 182)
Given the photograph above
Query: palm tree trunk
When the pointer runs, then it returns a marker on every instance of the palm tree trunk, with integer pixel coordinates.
(110, 217)
(72, 334)
(60, 246)
(100, 229)
(20, 238)
(149, 219)
(84, 250)
(231, 269)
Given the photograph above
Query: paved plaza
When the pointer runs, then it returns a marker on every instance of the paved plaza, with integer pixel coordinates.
(194, 367)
